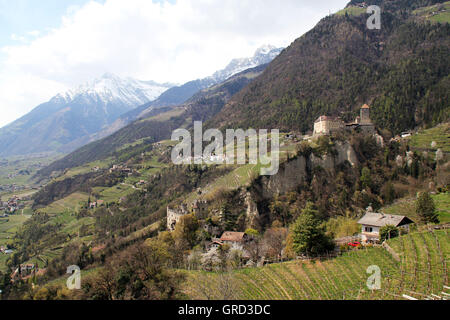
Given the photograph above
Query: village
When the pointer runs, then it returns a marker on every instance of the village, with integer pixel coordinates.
(11, 206)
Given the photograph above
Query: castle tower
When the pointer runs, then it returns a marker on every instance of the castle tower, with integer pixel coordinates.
(365, 115)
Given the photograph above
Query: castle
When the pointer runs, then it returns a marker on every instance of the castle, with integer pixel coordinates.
(174, 216)
(326, 124)
(199, 208)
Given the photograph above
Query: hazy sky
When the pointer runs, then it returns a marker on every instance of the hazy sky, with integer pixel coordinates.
(49, 46)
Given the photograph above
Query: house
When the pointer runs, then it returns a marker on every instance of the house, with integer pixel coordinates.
(140, 183)
(25, 270)
(372, 222)
(406, 135)
(234, 239)
(215, 244)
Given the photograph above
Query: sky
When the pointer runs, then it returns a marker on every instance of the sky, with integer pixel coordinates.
(50, 46)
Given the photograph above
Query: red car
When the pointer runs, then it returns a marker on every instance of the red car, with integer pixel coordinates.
(354, 244)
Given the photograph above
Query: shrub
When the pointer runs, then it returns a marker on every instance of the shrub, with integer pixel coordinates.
(388, 232)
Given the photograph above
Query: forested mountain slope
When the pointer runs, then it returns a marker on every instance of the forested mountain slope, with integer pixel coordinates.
(402, 71)
(160, 123)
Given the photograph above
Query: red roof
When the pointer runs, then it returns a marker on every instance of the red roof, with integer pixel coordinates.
(233, 236)
(365, 107)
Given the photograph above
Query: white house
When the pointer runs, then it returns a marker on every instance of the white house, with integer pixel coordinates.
(372, 222)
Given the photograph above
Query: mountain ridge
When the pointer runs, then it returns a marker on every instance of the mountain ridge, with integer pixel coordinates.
(75, 114)
(102, 106)
(201, 107)
(340, 65)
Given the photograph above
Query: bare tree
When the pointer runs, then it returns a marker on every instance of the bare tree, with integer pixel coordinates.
(254, 248)
(227, 287)
(221, 287)
(274, 242)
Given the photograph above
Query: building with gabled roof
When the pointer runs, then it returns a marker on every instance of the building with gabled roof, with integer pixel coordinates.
(372, 222)
(233, 237)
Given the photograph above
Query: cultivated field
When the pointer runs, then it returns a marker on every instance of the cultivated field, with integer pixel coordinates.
(422, 269)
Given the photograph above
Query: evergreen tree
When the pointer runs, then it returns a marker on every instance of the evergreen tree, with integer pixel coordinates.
(309, 235)
(426, 209)
(366, 179)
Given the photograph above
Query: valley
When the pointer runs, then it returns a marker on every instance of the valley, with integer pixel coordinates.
(361, 183)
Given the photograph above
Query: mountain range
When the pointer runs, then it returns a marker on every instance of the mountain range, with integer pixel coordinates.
(64, 122)
(401, 71)
(157, 124)
(180, 94)
(100, 107)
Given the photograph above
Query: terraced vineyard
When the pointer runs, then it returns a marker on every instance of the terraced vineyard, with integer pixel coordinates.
(422, 269)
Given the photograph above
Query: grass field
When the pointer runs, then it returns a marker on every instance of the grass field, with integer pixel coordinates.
(8, 227)
(352, 11)
(71, 203)
(407, 207)
(14, 165)
(22, 193)
(114, 193)
(102, 164)
(344, 277)
(439, 13)
(439, 134)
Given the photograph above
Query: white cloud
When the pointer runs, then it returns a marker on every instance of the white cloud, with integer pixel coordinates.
(164, 42)
(34, 33)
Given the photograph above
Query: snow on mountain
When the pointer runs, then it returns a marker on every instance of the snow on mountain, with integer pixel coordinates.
(263, 55)
(113, 89)
(70, 119)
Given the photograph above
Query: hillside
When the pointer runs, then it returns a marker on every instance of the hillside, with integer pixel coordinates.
(421, 272)
(141, 227)
(402, 71)
(155, 127)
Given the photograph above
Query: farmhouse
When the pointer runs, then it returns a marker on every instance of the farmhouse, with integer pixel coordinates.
(372, 222)
(234, 239)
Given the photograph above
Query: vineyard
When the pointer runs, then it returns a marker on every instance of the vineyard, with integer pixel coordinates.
(424, 269)
(421, 273)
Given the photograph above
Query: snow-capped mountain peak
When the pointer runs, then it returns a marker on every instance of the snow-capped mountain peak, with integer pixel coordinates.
(266, 49)
(111, 88)
(263, 55)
